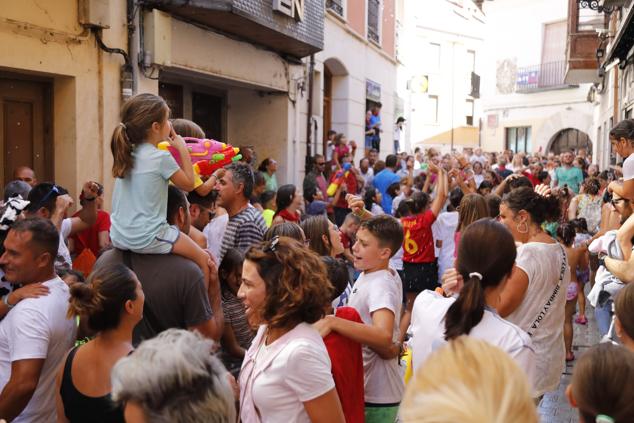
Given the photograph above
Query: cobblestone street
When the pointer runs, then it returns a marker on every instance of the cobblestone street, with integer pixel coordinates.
(555, 408)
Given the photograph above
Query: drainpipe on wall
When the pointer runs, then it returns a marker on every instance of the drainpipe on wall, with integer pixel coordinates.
(130, 76)
(309, 114)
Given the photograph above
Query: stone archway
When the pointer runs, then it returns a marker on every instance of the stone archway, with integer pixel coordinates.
(335, 94)
(569, 139)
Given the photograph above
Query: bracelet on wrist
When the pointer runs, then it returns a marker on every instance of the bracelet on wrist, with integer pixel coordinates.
(5, 300)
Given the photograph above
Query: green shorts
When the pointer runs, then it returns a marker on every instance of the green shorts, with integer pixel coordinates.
(380, 413)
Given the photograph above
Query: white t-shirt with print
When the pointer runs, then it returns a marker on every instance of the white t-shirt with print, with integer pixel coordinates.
(428, 332)
(378, 290)
(542, 263)
(64, 233)
(628, 168)
(299, 373)
(37, 328)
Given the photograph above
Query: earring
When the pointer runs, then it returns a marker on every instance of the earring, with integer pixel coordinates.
(525, 231)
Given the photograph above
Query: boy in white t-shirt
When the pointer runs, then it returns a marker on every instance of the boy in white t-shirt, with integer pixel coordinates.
(377, 296)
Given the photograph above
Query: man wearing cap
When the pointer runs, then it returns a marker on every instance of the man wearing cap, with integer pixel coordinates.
(398, 133)
(51, 201)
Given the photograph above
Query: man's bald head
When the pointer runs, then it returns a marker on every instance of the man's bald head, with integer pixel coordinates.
(26, 174)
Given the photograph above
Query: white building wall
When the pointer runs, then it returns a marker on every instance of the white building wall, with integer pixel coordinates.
(449, 79)
(356, 60)
(515, 34)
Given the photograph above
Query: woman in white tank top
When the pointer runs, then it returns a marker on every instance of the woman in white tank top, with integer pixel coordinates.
(535, 296)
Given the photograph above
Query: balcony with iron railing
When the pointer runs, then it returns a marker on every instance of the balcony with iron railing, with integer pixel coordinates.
(335, 6)
(542, 77)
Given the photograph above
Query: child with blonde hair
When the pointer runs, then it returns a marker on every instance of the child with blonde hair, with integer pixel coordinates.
(469, 381)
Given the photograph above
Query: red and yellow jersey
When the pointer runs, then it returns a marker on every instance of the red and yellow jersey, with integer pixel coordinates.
(418, 243)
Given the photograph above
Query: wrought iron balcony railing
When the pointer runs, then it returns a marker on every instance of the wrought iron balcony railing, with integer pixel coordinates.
(336, 6)
(541, 77)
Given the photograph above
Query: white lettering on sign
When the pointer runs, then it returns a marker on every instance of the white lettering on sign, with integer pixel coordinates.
(292, 8)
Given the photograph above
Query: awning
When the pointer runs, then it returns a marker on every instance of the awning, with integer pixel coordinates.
(624, 39)
(467, 136)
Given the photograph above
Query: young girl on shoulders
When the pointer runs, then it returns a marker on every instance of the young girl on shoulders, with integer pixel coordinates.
(142, 174)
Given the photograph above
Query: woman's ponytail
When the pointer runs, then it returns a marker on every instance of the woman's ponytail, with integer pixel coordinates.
(482, 269)
(121, 152)
(137, 116)
(84, 300)
(467, 311)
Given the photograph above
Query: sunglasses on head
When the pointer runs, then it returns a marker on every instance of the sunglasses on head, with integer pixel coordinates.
(54, 190)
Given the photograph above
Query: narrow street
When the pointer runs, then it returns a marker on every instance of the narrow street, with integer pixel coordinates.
(555, 407)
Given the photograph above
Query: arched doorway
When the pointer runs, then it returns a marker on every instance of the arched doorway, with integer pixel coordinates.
(569, 139)
(334, 73)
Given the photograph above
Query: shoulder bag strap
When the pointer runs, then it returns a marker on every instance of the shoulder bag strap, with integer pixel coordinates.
(551, 300)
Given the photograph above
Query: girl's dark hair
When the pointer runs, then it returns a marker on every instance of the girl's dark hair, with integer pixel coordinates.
(310, 193)
(484, 185)
(580, 224)
(601, 380)
(285, 196)
(368, 197)
(102, 299)
(418, 202)
(137, 116)
(258, 179)
(522, 181)
(393, 188)
(337, 139)
(566, 233)
(297, 285)
(455, 197)
(474, 255)
(314, 228)
(592, 186)
(542, 176)
(624, 309)
(265, 163)
(266, 197)
(623, 129)
(402, 210)
(288, 229)
(540, 208)
(337, 274)
(231, 263)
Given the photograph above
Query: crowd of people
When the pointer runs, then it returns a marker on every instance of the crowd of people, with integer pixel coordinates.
(424, 287)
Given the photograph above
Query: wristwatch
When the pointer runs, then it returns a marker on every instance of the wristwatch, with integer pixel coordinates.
(5, 300)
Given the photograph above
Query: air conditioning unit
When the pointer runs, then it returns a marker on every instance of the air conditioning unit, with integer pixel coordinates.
(94, 13)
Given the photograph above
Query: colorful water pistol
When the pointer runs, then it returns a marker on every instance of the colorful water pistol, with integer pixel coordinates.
(206, 155)
(340, 176)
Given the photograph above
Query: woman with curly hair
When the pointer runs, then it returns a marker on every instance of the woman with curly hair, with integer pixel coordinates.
(286, 374)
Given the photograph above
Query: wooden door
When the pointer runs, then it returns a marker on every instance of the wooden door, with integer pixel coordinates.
(327, 112)
(25, 127)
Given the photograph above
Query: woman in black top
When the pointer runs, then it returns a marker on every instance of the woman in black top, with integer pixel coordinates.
(111, 304)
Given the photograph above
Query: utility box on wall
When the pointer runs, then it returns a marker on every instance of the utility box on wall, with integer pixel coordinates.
(94, 13)
(157, 40)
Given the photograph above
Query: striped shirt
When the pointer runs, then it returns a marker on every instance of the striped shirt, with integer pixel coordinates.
(243, 230)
